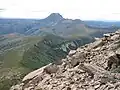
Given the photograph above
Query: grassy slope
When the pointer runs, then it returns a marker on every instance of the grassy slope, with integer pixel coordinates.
(27, 49)
(44, 52)
(13, 54)
(16, 53)
(10, 58)
(70, 30)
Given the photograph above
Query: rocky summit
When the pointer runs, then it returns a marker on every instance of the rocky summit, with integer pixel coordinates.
(94, 66)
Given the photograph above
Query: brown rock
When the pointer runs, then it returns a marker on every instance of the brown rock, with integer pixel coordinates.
(96, 44)
(112, 60)
(35, 73)
(78, 59)
(115, 37)
(51, 69)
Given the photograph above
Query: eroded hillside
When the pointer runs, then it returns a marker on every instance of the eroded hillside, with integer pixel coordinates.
(94, 66)
(21, 54)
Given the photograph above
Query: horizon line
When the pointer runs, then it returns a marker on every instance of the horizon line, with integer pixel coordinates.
(64, 18)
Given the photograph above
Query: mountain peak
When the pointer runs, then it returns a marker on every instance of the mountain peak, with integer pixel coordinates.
(55, 17)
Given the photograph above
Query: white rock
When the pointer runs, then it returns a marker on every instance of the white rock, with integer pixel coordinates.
(97, 86)
(106, 35)
(96, 38)
(72, 52)
(118, 51)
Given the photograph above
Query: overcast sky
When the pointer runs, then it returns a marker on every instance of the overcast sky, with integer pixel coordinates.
(74, 9)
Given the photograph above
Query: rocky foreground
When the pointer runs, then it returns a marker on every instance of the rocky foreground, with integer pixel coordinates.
(95, 66)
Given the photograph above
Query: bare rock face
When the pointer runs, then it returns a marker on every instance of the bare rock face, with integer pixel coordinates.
(95, 66)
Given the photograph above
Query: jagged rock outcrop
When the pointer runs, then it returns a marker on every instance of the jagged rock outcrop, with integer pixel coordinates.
(94, 66)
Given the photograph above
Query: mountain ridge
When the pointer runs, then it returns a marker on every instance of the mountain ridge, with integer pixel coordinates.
(94, 66)
(26, 45)
(50, 24)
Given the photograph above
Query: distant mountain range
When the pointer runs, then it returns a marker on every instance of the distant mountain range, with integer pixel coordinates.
(55, 24)
(28, 44)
